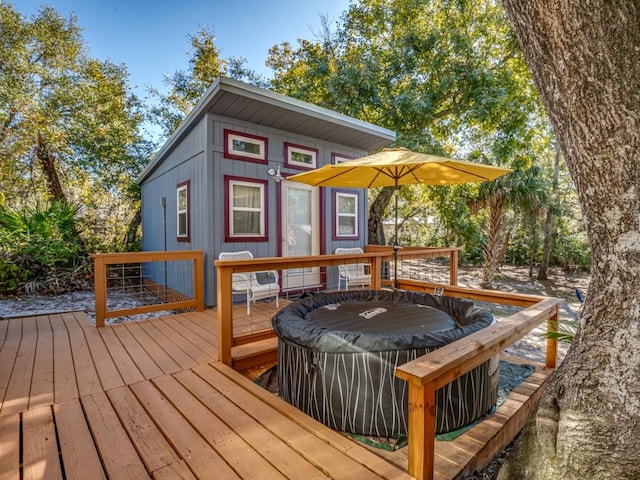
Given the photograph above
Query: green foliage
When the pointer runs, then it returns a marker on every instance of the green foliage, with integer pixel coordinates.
(66, 116)
(450, 79)
(40, 248)
(186, 87)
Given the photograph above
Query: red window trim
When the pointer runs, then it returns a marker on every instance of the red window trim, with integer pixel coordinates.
(235, 156)
(297, 166)
(227, 209)
(334, 155)
(187, 237)
(334, 208)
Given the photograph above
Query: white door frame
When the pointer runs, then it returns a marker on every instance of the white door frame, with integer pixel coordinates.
(291, 233)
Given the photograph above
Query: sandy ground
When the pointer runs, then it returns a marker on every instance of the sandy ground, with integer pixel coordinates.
(30, 305)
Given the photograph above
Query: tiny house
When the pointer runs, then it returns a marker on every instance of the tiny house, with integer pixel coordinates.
(219, 183)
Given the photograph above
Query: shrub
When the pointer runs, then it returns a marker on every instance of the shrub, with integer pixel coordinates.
(42, 249)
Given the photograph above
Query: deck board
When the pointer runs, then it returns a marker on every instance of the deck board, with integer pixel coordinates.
(195, 345)
(40, 451)
(148, 400)
(81, 460)
(105, 366)
(119, 457)
(245, 460)
(10, 441)
(161, 358)
(143, 361)
(86, 375)
(128, 369)
(153, 448)
(16, 397)
(203, 460)
(7, 359)
(64, 378)
(288, 461)
(257, 402)
(42, 380)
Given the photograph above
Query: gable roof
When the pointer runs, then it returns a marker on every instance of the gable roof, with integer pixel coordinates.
(238, 100)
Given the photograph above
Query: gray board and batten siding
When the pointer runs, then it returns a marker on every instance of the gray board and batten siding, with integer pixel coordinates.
(195, 154)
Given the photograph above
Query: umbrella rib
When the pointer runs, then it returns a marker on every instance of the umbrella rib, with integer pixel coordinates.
(338, 174)
(467, 173)
(380, 171)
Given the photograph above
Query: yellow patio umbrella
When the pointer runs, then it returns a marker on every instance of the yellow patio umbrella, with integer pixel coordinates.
(398, 166)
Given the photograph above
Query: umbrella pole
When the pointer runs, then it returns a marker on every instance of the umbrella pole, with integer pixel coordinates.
(395, 243)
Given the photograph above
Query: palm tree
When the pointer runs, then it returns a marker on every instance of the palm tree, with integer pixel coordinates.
(521, 190)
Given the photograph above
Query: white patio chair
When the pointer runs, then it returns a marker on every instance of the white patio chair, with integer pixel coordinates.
(353, 274)
(248, 284)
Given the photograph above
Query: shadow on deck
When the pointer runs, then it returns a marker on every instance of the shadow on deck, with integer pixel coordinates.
(149, 400)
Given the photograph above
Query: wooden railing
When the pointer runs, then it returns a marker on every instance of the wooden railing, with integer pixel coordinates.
(427, 374)
(451, 253)
(375, 256)
(101, 261)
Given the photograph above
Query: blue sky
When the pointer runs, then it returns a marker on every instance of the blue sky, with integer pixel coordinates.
(150, 37)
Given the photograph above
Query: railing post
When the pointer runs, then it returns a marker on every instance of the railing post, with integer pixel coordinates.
(376, 273)
(422, 430)
(198, 281)
(551, 358)
(453, 267)
(100, 288)
(225, 315)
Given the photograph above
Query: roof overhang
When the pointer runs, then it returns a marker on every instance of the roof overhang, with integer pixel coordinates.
(238, 100)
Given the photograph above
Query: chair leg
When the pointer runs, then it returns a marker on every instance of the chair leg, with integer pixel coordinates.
(248, 303)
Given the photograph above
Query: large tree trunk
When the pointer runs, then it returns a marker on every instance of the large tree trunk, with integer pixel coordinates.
(48, 163)
(376, 215)
(548, 225)
(131, 239)
(585, 60)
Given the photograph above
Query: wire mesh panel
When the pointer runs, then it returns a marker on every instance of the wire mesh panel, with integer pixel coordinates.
(130, 284)
(424, 269)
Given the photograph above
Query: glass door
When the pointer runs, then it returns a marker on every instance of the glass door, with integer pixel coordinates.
(300, 232)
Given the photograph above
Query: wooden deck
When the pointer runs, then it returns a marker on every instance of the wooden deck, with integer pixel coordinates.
(149, 400)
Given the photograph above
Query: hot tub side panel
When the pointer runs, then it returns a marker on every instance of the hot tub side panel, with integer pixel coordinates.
(358, 392)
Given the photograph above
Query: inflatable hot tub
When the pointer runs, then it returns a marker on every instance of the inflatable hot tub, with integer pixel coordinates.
(337, 354)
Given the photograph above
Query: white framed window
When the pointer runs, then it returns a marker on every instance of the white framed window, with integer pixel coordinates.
(244, 146)
(246, 212)
(346, 215)
(297, 156)
(182, 212)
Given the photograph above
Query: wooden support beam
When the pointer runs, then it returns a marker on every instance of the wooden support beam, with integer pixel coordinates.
(453, 267)
(100, 289)
(551, 358)
(225, 314)
(422, 430)
(198, 281)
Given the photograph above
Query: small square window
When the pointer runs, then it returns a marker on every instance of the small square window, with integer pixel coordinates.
(346, 215)
(245, 217)
(339, 158)
(182, 212)
(244, 146)
(297, 156)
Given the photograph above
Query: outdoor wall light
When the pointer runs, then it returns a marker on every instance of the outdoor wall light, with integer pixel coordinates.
(275, 174)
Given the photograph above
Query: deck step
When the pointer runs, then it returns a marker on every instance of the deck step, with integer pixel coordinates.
(253, 354)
